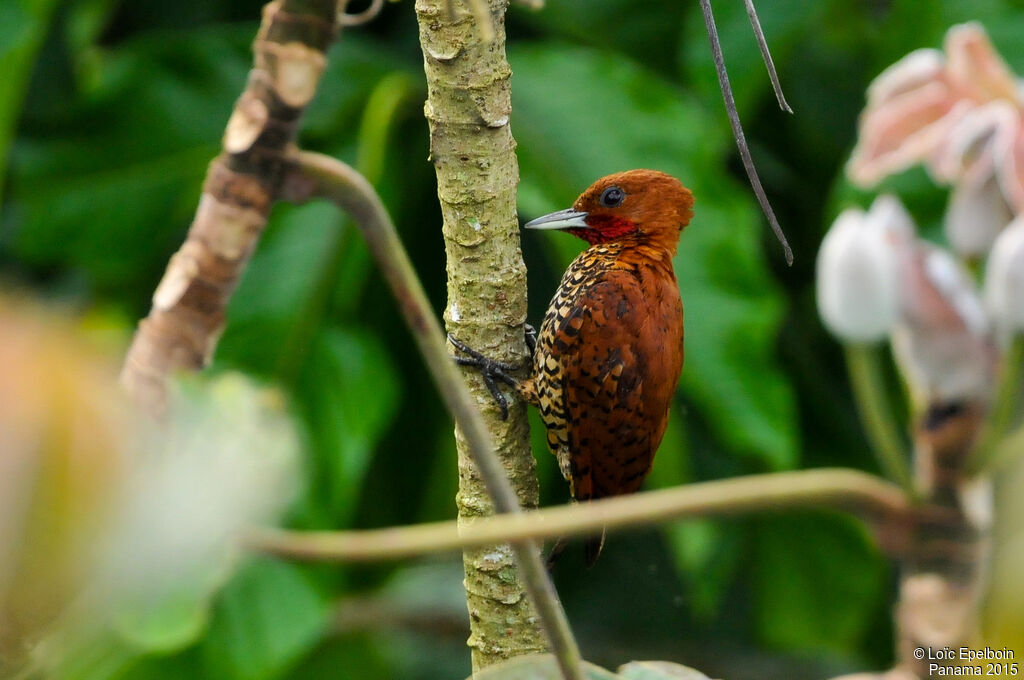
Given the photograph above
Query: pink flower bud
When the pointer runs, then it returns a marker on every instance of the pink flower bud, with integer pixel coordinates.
(909, 73)
(969, 152)
(975, 65)
(959, 113)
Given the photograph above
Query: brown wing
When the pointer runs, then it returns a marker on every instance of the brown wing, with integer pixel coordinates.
(558, 341)
(618, 380)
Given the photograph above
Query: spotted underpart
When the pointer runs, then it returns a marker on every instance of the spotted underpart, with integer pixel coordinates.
(606, 364)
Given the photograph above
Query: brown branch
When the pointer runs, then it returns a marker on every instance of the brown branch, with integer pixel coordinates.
(870, 497)
(242, 183)
(316, 175)
(737, 128)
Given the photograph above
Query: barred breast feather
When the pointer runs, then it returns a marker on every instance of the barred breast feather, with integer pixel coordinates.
(606, 364)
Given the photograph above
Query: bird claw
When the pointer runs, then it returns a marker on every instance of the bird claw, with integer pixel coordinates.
(491, 370)
(531, 338)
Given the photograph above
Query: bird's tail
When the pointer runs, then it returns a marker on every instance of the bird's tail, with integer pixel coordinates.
(592, 548)
(556, 554)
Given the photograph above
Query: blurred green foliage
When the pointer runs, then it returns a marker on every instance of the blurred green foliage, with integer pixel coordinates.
(109, 112)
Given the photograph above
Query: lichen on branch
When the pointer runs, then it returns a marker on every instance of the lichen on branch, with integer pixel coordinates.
(473, 151)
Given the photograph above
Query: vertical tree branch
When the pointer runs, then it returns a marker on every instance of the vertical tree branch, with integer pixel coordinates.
(473, 151)
(187, 317)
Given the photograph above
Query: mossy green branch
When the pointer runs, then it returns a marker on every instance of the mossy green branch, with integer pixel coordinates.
(471, 146)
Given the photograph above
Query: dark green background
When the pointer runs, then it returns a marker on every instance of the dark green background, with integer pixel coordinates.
(110, 110)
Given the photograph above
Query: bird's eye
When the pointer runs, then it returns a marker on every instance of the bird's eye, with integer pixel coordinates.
(612, 197)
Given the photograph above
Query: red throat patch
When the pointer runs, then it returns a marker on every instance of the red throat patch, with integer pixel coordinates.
(604, 228)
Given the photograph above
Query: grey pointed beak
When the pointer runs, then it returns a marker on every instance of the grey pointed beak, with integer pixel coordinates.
(563, 219)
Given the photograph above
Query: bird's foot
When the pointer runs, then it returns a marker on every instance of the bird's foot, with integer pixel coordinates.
(490, 369)
(531, 338)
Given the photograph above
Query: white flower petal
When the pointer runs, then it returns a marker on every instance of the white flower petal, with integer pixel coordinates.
(888, 214)
(1010, 172)
(975, 216)
(956, 286)
(941, 342)
(1004, 280)
(857, 277)
(975, 143)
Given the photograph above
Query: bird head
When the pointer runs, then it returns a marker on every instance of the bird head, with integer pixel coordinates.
(632, 208)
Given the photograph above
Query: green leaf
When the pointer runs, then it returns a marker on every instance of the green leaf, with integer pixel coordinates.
(23, 24)
(265, 620)
(356, 655)
(817, 581)
(706, 551)
(347, 394)
(355, 368)
(115, 209)
(785, 23)
(708, 554)
(649, 36)
(184, 665)
(569, 138)
(169, 625)
(92, 656)
(659, 670)
(177, 618)
(281, 325)
(537, 667)
(281, 287)
(356, 66)
(149, 127)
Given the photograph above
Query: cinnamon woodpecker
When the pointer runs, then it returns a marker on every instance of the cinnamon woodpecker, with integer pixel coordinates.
(610, 349)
